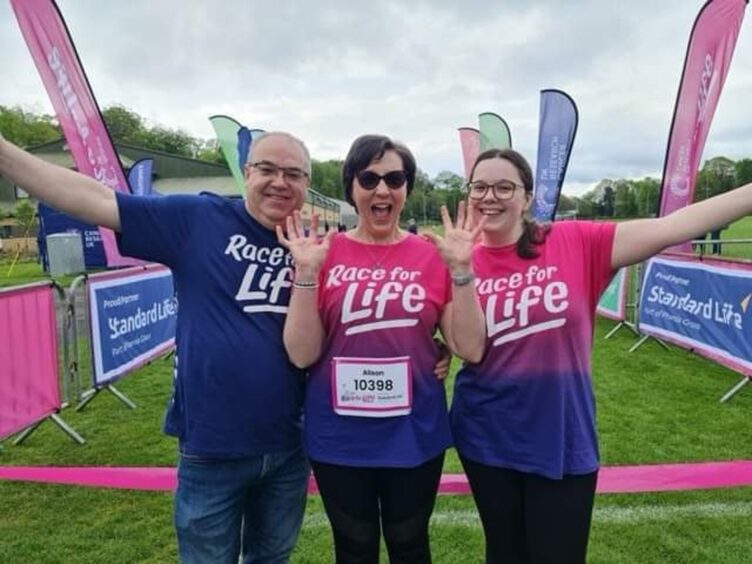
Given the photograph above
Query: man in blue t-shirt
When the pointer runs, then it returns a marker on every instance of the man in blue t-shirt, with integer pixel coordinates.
(236, 408)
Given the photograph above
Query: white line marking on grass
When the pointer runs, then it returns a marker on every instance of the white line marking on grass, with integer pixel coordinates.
(665, 512)
(609, 515)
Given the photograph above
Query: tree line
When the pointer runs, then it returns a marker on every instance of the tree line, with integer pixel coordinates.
(639, 198)
(620, 198)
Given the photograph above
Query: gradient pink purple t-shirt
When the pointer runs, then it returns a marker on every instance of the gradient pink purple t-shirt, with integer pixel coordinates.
(380, 301)
(529, 405)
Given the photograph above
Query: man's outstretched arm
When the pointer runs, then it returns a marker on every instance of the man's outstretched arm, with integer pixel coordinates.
(70, 192)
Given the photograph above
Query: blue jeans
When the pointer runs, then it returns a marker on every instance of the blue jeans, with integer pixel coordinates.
(251, 505)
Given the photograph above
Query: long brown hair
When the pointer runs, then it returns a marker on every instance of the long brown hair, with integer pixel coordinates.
(533, 233)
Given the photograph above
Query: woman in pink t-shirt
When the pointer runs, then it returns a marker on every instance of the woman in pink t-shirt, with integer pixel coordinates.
(362, 317)
(523, 418)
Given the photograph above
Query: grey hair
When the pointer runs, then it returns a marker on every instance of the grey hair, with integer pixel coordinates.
(289, 136)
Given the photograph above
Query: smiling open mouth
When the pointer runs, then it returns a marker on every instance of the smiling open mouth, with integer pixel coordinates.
(381, 211)
(281, 197)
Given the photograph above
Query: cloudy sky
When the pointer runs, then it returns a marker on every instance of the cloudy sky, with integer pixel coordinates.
(332, 70)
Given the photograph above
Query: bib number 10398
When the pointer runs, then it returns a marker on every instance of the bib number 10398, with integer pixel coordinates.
(371, 387)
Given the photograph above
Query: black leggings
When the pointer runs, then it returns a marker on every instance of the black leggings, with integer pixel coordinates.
(529, 519)
(360, 501)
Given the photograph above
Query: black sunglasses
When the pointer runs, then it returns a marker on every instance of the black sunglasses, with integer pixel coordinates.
(394, 179)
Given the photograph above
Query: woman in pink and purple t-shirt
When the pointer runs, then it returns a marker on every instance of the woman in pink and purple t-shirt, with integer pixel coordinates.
(362, 316)
(523, 418)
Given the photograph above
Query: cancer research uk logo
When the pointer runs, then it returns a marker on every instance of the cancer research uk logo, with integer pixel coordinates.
(678, 184)
(544, 207)
(269, 272)
(523, 303)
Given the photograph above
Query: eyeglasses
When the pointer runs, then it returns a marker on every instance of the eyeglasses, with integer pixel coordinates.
(394, 179)
(289, 173)
(502, 190)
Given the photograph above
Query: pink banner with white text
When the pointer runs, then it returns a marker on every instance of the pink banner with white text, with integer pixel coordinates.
(29, 389)
(470, 144)
(711, 47)
(89, 142)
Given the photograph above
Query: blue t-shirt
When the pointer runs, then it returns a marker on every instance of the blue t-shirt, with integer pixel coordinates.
(236, 393)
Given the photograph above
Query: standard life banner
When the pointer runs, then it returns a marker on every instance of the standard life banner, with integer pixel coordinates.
(703, 306)
(613, 301)
(133, 319)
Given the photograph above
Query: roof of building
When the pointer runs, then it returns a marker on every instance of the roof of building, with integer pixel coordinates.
(223, 185)
(65, 160)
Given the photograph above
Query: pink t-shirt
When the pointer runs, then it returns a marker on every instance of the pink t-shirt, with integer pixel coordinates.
(529, 405)
(379, 302)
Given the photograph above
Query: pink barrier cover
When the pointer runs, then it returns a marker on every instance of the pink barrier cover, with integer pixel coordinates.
(29, 388)
(611, 479)
(55, 57)
(711, 47)
(470, 143)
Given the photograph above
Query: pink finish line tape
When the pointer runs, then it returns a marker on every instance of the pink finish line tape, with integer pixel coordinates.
(611, 479)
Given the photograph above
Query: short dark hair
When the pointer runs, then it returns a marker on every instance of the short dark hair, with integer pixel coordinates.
(533, 233)
(367, 148)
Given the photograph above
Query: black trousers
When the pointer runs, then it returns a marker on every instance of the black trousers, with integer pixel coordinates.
(361, 501)
(529, 519)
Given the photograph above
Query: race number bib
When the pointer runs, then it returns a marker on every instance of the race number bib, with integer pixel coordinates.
(372, 387)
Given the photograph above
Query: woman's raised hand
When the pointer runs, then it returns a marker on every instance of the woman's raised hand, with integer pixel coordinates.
(307, 249)
(456, 246)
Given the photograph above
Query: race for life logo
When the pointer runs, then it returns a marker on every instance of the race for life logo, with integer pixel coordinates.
(369, 291)
(707, 84)
(269, 272)
(523, 303)
(679, 182)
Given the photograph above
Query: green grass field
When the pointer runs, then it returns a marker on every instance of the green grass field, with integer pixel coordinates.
(654, 406)
(741, 229)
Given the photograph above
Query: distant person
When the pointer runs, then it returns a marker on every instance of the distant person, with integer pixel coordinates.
(708, 247)
(523, 418)
(412, 227)
(715, 235)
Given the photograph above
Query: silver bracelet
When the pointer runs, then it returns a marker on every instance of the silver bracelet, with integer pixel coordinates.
(462, 279)
(305, 285)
